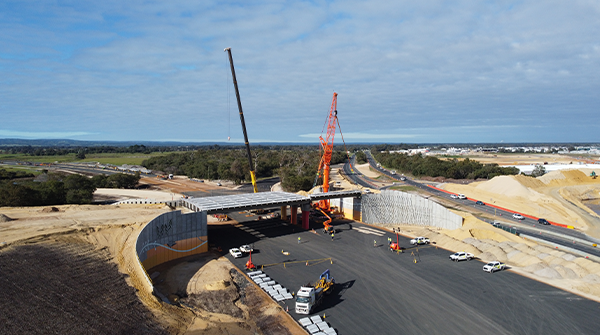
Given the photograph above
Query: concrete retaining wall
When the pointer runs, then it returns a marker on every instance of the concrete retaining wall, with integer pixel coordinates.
(394, 207)
(170, 236)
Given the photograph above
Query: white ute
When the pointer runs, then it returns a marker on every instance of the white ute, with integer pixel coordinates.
(235, 252)
(246, 248)
(419, 240)
(492, 267)
(461, 256)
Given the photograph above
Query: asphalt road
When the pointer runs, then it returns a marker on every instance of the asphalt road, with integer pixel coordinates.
(527, 225)
(381, 292)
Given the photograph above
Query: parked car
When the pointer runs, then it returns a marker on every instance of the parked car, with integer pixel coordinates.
(246, 248)
(543, 221)
(461, 256)
(462, 196)
(235, 252)
(518, 216)
(478, 202)
(492, 267)
(419, 240)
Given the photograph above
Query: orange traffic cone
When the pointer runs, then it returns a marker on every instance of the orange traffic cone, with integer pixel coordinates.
(287, 309)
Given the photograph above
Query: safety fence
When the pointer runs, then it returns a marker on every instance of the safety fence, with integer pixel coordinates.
(172, 203)
(394, 207)
(170, 236)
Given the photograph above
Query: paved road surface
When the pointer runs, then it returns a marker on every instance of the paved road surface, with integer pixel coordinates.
(380, 292)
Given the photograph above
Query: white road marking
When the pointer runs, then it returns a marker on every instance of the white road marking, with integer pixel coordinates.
(369, 231)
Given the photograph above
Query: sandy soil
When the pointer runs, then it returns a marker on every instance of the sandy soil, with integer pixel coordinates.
(112, 230)
(556, 196)
(522, 159)
(122, 194)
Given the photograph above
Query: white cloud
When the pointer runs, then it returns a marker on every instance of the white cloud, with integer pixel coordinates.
(41, 135)
(157, 70)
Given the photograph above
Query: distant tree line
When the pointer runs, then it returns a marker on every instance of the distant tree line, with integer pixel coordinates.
(58, 189)
(295, 165)
(418, 166)
(7, 175)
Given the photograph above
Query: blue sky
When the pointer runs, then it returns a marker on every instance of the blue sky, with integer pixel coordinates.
(405, 71)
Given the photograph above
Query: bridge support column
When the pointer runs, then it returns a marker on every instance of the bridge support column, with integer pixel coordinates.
(284, 213)
(294, 214)
(305, 215)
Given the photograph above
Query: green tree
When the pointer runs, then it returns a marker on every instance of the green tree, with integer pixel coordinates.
(79, 189)
(538, 171)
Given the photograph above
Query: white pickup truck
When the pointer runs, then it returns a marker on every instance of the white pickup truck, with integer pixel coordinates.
(461, 256)
(492, 267)
(419, 240)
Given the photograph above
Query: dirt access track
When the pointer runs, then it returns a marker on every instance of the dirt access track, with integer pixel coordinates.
(73, 270)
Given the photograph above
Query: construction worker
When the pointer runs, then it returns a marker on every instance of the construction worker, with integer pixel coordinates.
(389, 241)
(298, 240)
(374, 243)
(332, 236)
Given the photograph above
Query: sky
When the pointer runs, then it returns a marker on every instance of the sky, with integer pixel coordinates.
(404, 71)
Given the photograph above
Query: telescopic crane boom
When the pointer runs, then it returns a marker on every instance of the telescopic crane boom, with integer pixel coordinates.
(239, 103)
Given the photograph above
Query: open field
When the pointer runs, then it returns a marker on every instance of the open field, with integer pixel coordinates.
(103, 158)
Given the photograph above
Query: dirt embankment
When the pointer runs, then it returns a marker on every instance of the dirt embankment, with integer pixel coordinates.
(84, 240)
(555, 196)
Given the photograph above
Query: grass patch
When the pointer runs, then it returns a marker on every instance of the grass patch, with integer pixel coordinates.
(102, 158)
(404, 188)
(30, 169)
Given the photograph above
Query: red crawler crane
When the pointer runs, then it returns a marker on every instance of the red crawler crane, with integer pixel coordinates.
(327, 146)
(324, 165)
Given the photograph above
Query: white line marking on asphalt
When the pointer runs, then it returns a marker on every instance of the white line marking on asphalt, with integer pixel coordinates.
(369, 231)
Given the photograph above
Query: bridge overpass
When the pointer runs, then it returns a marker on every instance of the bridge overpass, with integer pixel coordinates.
(247, 201)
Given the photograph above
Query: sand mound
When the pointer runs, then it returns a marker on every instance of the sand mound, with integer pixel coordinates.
(566, 272)
(487, 256)
(512, 254)
(512, 186)
(4, 218)
(488, 234)
(217, 285)
(581, 272)
(592, 278)
(535, 267)
(50, 210)
(548, 272)
(566, 178)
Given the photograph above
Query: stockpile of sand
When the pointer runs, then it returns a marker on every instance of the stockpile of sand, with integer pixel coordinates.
(534, 196)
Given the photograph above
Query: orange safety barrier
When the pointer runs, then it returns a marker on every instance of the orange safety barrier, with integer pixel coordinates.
(506, 209)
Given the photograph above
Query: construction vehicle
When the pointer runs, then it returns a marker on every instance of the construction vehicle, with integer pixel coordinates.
(593, 175)
(239, 103)
(395, 246)
(249, 265)
(308, 297)
(324, 165)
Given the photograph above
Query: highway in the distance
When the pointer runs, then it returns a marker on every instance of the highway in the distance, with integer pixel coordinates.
(504, 217)
(381, 292)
